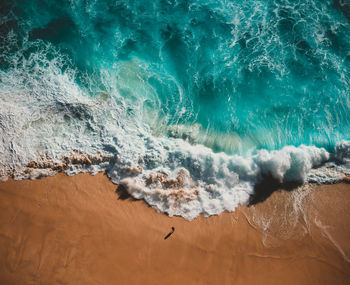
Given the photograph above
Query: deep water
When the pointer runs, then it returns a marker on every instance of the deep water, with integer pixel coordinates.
(150, 82)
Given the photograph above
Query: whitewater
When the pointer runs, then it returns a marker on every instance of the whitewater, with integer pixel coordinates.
(187, 104)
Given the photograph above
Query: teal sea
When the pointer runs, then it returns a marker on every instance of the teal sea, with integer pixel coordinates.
(188, 103)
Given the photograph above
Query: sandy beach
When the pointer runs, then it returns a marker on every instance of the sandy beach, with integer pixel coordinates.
(80, 230)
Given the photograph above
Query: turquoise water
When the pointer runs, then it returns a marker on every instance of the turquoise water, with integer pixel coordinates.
(188, 104)
(244, 74)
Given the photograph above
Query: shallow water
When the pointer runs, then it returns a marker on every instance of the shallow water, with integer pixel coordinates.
(189, 104)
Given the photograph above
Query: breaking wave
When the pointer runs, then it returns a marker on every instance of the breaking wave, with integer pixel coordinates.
(187, 104)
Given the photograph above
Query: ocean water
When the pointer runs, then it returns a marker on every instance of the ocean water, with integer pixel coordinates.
(188, 104)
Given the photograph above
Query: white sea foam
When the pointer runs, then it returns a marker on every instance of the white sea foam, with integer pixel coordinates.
(191, 180)
(342, 152)
(49, 124)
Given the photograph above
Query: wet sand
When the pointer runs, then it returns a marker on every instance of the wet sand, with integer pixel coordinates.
(78, 230)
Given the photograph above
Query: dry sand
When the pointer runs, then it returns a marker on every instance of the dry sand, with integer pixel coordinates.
(77, 230)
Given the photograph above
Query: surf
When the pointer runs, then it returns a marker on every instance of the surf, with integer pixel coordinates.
(187, 104)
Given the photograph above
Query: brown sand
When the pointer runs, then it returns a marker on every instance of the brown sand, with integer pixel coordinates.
(75, 230)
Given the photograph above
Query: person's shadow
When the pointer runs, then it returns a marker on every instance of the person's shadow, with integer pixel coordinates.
(170, 233)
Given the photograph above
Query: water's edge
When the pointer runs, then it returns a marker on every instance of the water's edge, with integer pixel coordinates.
(229, 181)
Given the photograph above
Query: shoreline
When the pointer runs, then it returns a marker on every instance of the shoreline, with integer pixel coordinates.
(79, 230)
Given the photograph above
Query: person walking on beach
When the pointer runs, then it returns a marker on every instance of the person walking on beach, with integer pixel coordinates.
(170, 233)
